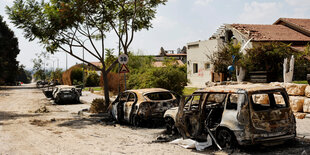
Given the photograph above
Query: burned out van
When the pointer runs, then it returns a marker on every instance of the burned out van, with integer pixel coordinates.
(237, 114)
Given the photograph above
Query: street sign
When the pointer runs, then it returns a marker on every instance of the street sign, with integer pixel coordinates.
(124, 69)
(123, 59)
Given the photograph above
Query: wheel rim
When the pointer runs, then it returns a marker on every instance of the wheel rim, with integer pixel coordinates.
(224, 138)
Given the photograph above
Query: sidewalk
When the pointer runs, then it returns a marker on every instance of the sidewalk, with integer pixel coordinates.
(87, 97)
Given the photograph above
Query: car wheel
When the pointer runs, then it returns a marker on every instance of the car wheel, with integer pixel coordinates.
(170, 126)
(136, 121)
(225, 138)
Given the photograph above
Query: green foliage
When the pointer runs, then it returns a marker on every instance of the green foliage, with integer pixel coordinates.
(110, 58)
(8, 53)
(39, 75)
(57, 74)
(269, 57)
(92, 79)
(189, 91)
(77, 76)
(222, 59)
(146, 76)
(23, 75)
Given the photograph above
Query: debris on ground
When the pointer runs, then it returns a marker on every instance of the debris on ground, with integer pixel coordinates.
(192, 144)
(300, 115)
(42, 109)
(38, 122)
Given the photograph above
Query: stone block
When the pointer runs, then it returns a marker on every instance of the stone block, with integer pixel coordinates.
(295, 89)
(307, 91)
(296, 103)
(306, 106)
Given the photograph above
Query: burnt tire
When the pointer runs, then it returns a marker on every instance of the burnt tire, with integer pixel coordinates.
(170, 126)
(226, 139)
(136, 121)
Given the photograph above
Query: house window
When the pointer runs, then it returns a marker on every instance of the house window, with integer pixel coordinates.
(207, 66)
(195, 68)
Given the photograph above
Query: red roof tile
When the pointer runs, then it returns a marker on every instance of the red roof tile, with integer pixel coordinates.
(270, 32)
(304, 24)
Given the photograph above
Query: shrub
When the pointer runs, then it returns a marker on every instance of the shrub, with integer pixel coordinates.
(170, 77)
(98, 106)
(92, 79)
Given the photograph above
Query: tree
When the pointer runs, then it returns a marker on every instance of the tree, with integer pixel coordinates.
(23, 75)
(8, 53)
(64, 25)
(39, 64)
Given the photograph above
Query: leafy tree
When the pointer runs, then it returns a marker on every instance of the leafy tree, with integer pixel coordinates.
(64, 25)
(92, 79)
(223, 58)
(23, 75)
(77, 76)
(269, 57)
(39, 65)
(57, 74)
(8, 53)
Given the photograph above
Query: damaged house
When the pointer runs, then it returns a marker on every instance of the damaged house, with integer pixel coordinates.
(287, 30)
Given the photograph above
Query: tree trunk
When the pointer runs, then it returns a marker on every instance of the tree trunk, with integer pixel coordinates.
(105, 87)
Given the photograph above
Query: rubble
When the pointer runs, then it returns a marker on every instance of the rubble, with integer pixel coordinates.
(42, 109)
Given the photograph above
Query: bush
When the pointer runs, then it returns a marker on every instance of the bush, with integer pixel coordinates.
(98, 106)
(77, 74)
(92, 79)
(170, 77)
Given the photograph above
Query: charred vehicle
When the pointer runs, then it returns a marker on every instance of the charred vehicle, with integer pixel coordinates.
(143, 105)
(63, 94)
(236, 114)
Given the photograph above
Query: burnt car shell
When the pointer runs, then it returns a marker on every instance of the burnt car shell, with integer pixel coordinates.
(64, 94)
(239, 114)
(139, 106)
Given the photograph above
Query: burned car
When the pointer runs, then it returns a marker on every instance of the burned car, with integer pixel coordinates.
(65, 94)
(143, 105)
(236, 114)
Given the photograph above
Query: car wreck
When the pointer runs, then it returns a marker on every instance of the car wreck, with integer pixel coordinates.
(142, 106)
(236, 114)
(63, 94)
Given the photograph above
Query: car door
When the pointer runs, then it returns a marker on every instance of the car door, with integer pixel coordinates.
(268, 115)
(188, 116)
(128, 105)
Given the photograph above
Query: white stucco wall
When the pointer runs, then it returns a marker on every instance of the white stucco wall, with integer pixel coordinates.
(197, 53)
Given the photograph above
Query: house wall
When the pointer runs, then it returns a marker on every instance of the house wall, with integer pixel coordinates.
(197, 56)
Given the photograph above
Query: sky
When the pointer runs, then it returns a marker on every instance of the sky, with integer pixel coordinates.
(176, 24)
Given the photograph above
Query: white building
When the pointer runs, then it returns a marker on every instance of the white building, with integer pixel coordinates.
(199, 67)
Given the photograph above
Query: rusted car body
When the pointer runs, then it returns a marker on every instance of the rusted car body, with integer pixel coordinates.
(237, 114)
(63, 94)
(143, 105)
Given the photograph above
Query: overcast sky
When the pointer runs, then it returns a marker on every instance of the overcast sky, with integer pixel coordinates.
(179, 22)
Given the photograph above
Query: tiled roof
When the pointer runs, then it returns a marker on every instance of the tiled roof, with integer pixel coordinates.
(98, 64)
(270, 32)
(303, 24)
